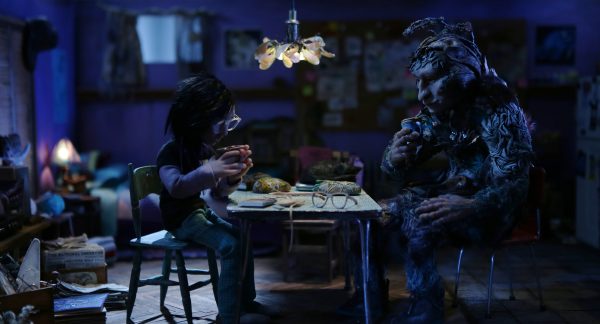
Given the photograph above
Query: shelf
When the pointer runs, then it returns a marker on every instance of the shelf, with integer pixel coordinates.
(89, 95)
(550, 91)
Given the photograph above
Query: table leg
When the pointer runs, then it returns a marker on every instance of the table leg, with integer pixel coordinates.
(245, 226)
(364, 227)
(347, 256)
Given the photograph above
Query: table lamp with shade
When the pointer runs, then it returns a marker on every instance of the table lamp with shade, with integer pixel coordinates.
(63, 156)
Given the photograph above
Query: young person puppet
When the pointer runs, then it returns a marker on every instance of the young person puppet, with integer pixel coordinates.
(470, 116)
(202, 113)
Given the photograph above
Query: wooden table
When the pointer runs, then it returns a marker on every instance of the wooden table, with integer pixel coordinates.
(363, 212)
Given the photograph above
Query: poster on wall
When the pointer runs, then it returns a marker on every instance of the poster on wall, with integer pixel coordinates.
(239, 48)
(555, 45)
(353, 46)
(385, 65)
(339, 87)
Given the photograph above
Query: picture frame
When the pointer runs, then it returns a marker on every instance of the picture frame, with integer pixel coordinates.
(239, 48)
(555, 45)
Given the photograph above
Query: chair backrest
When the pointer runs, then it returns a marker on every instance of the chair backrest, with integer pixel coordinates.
(537, 176)
(142, 182)
(309, 155)
(532, 222)
(306, 156)
(535, 196)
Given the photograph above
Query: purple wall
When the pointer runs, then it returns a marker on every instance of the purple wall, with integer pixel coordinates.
(54, 101)
(133, 131)
(268, 16)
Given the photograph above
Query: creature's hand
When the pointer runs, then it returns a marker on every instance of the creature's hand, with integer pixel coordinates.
(445, 209)
(227, 164)
(404, 147)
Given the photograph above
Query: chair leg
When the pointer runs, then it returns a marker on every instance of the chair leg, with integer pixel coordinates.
(214, 272)
(537, 278)
(488, 313)
(510, 274)
(457, 278)
(134, 281)
(183, 286)
(166, 273)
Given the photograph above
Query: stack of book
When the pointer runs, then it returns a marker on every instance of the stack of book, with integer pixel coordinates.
(87, 308)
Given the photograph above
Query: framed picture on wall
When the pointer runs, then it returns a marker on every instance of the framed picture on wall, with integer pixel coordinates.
(555, 45)
(239, 48)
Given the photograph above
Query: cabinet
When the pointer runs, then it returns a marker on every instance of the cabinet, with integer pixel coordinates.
(86, 213)
(588, 162)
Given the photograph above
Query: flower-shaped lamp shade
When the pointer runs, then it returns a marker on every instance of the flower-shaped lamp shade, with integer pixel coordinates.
(64, 153)
(294, 49)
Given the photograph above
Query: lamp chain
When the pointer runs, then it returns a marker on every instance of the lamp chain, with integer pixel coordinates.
(293, 28)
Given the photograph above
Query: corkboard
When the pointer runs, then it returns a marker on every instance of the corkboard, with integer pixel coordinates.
(367, 86)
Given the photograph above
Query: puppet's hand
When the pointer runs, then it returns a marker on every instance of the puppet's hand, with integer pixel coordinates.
(403, 150)
(238, 177)
(445, 209)
(247, 161)
(226, 165)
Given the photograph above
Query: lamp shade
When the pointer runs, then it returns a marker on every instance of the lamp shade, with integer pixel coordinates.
(294, 49)
(64, 153)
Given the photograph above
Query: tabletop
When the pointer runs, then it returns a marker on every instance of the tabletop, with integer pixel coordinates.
(366, 207)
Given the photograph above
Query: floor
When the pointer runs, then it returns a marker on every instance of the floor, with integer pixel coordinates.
(570, 281)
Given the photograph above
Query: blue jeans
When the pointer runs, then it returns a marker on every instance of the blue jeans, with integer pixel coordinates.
(204, 227)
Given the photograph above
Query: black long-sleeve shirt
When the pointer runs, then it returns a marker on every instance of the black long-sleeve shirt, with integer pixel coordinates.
(184, 175)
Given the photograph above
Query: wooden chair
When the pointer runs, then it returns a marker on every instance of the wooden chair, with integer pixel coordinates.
(526, 232)
(303, 158)
(144, 181)
(325, 227)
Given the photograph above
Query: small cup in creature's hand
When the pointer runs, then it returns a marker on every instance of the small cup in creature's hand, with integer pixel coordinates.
(413, 124)
(406, 143)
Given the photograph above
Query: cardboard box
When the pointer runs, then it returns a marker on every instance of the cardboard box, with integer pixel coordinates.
(84, 276)
(41, 299)
(90, 256)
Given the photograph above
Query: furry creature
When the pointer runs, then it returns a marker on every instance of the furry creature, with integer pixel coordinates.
(471, 116)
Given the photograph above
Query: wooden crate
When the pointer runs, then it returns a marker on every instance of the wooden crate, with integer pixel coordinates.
(41, 298)
(96, 274)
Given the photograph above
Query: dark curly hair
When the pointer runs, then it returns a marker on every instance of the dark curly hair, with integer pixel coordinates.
(199, 101)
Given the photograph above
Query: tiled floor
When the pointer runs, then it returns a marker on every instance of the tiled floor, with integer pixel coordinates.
(570, 282)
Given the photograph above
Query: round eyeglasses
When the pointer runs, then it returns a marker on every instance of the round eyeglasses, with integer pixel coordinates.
(339, 200)
(230, 123)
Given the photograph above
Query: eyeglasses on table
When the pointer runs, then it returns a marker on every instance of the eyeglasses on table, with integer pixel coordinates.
(339, 200)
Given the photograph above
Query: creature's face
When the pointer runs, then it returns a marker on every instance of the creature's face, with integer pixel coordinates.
(442, 88)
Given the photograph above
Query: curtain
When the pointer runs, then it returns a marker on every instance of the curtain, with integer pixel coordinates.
(190, 38)
(191, 42)
(123, 68)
